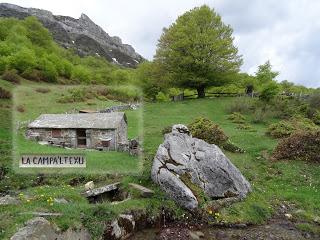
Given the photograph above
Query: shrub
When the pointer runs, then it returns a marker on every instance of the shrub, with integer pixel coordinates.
(259, 116)
(206, 130)
(300, 145)
(237, 117)
(42, 90)
(285, 128)
(314, 101)
(269, 92)
(11, 76)
(23, 59)
(240, 105)
(75, 95)
(33, 75)
(81, 74)
(4, 94)
(162, 97)
(49, 71)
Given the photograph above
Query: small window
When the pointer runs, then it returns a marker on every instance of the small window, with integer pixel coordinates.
(56, 133)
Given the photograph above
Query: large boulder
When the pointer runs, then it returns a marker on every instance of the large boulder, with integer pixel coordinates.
(183, 164)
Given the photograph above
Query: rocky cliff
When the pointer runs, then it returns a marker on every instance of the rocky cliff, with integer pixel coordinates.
(82, 34)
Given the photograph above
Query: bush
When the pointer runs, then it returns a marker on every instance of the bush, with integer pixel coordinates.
(206, 130)
(162, 97)
(81, 74)
(285, 128)
(33, 75)
(4, 94)
(11, 76)
(300, 145)
(23, 59)
(259, 116)
(49, 71)
(240, 105)
(237, 117)
(75, 95)
(269, 92)
(314, 101)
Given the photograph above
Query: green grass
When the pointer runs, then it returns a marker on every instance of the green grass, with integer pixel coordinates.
(35, 104)
(272, 182)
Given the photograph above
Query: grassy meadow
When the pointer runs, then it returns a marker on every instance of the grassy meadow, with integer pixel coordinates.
(291, 183)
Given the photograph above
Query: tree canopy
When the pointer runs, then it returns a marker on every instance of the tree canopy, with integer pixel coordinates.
(198, 51)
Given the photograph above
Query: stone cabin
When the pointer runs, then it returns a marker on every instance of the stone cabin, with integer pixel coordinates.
(103, 131)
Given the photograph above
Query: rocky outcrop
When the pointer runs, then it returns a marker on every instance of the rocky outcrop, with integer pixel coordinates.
(184, 164)
(82, 34)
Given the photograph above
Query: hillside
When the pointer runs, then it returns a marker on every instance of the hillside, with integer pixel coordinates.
(82, 35)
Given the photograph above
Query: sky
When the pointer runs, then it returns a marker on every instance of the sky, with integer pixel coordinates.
(286, 32)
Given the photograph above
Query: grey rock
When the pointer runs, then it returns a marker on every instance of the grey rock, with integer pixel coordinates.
(81, 34)
(97, 191)
(36, 229)
(8, 200)
(181, 156)
(89, 185)
(41, 229)
(121, 228)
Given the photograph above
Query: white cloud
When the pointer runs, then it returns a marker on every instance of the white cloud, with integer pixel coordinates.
(285, 32)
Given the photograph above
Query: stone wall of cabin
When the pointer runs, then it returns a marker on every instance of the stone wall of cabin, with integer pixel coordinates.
(122, 132)
(68, 136)
(93, 136)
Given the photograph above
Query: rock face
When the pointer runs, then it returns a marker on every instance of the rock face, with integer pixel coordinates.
(183, 163)
(82, 34)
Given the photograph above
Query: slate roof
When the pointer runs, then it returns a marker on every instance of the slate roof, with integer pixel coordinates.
(79, 120)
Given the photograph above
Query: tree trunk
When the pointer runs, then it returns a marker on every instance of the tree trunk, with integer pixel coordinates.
(201, 92)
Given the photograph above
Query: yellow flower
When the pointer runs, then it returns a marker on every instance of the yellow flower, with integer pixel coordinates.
(210, 211)
(28, 200)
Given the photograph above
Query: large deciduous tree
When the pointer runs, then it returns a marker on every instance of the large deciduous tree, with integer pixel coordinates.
(198, 51)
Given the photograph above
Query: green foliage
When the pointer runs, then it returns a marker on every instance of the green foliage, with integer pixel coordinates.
(265, 74)
(198, 50)
(285, 128)
(299, 145)
(48, 70)
(162, 97)
(23, 59)
(237, 117)
(206, 130)
(81, 74)
(151, 78)
(28, 47)
(269, 92)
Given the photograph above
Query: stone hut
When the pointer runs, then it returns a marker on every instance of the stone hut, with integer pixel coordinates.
(103, 131)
